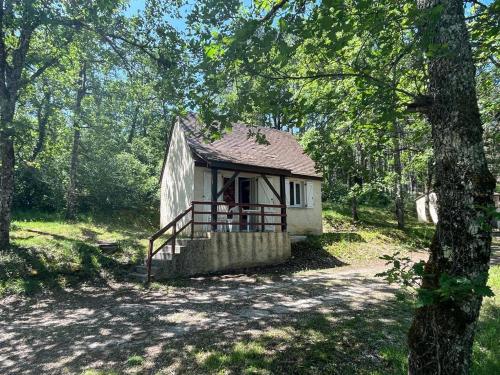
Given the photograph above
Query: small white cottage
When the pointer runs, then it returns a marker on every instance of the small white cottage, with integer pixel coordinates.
(232, 203)
(237, 184)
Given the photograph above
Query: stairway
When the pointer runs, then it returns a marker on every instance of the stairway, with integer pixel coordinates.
(162, 259)
(166, 254)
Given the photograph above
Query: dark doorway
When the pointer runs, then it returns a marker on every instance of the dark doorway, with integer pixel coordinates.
(229, 195)
(244, 185)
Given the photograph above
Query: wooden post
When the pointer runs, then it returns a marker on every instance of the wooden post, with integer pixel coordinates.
(263, 225)
(214, 199)
(283, 203)
(150, 259)
(174, 235)
(192, 220)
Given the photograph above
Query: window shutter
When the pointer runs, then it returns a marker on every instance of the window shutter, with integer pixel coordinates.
(309, 189)
(287, 191)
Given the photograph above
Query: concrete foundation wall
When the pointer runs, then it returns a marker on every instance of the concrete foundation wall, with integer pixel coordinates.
(225, 251)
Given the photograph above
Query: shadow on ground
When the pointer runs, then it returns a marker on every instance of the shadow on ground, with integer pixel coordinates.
(30, 270)
(310, 323)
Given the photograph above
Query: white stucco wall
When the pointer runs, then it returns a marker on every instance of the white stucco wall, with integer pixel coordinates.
(300, 220)
(307, 220)
(177, 184)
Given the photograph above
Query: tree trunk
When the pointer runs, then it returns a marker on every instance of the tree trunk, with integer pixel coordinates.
(131, 135)
(8, 108)
(354, 208)
(441, 335)
(353, 181)
(6, 187)
(43, 114)
(71, 194)
(428, 190)
(398, 170)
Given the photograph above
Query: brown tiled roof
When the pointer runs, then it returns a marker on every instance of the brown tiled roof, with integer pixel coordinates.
(283, 151)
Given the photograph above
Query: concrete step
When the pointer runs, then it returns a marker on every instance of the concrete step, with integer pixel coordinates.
(168, 249)
(166, 252)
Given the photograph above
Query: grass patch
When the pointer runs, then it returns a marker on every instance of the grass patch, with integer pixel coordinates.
(486, 351)
(366, 240)
(135, 360)
(48, 253)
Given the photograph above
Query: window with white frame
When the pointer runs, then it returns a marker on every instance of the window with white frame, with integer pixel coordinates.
(295, 194)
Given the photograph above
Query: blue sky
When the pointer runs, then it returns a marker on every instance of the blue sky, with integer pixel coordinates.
(137, 6)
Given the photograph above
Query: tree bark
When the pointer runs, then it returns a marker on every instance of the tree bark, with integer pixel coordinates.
(71, 194)
(131, 135)
(428, 189)
(353, 181)
(441, 335)
(43, 114)
(398, 170)
(354, 209)
(6, 187)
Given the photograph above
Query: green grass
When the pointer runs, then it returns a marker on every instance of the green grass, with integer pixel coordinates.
(48, 253)
(374, 235)
(135, 360)
(486, 353)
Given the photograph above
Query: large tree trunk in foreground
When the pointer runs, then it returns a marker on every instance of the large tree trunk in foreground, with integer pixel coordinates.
(6, 187)
(7, 157)
(442, 333)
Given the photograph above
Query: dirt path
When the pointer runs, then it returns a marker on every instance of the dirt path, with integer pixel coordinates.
(102, 327)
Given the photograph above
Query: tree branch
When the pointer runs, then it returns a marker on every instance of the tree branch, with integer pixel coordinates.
(477, 3)
(44, 67)
(316, 76)
(280, 4)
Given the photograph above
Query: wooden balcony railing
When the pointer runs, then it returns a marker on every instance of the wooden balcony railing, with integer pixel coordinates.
(244, 211)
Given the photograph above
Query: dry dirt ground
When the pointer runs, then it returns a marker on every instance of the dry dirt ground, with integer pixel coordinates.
(71, 331)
